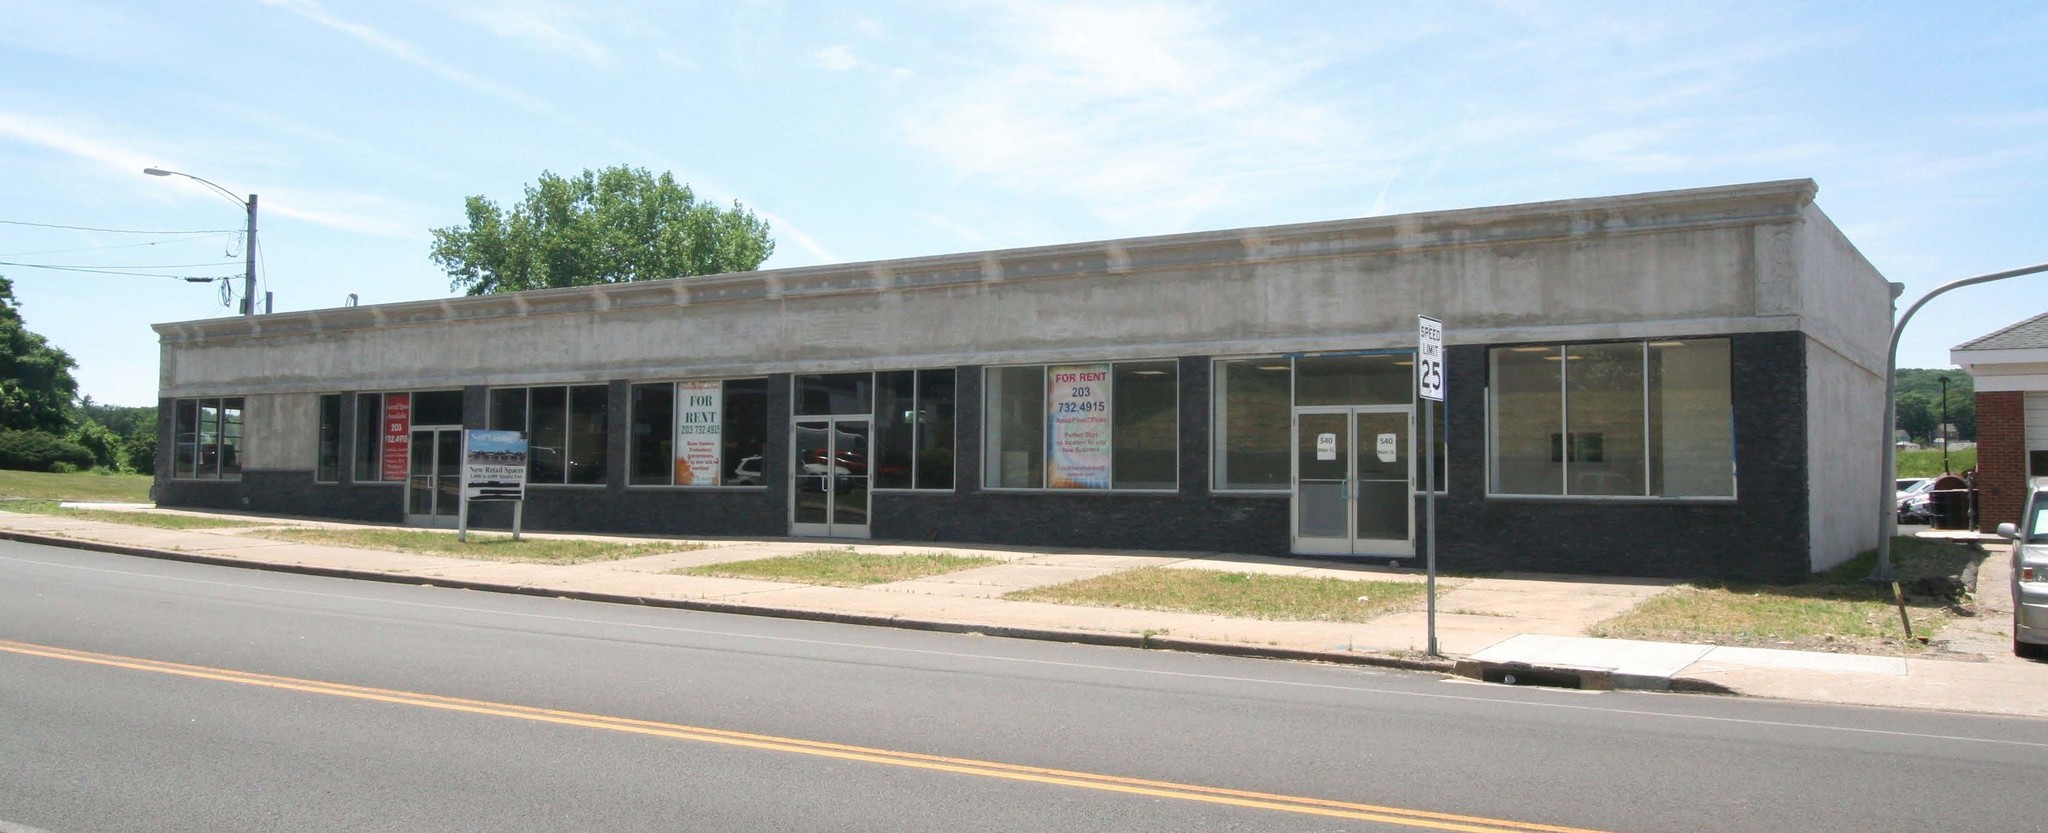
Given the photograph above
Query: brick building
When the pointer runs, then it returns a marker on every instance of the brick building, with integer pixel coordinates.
(2010, 367)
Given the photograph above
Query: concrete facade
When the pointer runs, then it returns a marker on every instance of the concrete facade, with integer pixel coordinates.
(1757, 264)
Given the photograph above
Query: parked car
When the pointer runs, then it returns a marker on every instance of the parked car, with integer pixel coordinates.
(2030, 573)
(1916, 500)
(747, 472)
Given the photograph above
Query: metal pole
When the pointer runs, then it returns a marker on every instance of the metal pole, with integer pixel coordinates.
(1429, 499)
(1887, 502)
(1944, 428)
(249, 264)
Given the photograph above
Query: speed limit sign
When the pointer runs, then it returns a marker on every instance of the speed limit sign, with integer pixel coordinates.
(1429, 360)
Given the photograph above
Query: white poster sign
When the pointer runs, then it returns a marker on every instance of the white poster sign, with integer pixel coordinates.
(1077, 426)
(1389, 447)
(1326, 446)
(700, 442)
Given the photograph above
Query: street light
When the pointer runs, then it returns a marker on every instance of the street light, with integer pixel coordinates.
(1944, 425)
(1887, 494)
(248, 259)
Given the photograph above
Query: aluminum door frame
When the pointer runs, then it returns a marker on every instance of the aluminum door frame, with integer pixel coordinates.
(1350, 544)
(830, 529)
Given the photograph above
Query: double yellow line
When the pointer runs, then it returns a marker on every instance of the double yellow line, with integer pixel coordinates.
(938, 763)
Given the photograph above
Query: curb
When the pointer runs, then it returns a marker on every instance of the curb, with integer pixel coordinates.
(1588, 679)
(1114, 640)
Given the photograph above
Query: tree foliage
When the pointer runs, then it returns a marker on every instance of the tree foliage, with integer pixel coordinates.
(1922, 388)
(36, 387)
(41, 451)
(611, 226)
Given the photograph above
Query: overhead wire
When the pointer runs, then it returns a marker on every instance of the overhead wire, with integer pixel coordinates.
(113, 246)
(121, 272)
(117, 230)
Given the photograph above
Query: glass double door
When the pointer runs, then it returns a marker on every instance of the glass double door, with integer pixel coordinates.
(433, 489)
(831, 480)
(1354, 478)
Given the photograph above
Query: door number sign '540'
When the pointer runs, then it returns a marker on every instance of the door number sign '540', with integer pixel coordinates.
(1429, 360)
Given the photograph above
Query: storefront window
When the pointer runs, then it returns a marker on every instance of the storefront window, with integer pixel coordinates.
(699, 433)
(564, 427)
(913, 433)
(1629, 419)
(327, 466)
(207, 438)
(1083, 426)
(369, 431)
(1251, 430)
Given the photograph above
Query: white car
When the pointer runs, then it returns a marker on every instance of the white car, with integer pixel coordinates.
(2030, 573)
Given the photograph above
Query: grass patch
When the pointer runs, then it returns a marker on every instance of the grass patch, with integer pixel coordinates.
(1246, 595)
(1834, 611)
(103, 487)
(1926, 462)
(116, 516)
(485, 546)
(842, 568)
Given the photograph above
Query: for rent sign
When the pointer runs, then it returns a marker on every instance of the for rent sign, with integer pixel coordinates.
(397, 434)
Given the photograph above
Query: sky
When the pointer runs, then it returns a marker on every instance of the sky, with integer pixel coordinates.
(874, 130)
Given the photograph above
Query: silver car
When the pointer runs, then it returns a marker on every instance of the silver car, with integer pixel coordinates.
(2030, 573)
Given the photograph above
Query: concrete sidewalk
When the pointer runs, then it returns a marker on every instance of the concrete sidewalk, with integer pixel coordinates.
(1527, 627)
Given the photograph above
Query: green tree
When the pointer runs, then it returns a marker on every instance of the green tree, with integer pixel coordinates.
(36, 387)
(1916, 416)
(105, 445)
(611, 226)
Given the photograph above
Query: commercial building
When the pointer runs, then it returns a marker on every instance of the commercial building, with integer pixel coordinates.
(1682, 383)
(2010, 368)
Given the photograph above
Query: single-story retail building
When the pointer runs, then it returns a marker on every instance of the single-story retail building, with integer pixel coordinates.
(2010, 368)
(1681, 383)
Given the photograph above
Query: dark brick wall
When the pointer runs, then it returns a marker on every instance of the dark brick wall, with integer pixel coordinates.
(1761, 535)
(1187, 520)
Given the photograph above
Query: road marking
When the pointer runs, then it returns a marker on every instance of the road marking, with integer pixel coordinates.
(938, 763)
(428, 581)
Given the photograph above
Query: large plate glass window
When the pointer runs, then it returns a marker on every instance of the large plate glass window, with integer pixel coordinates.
(206, 438)
(698, 433)
(1098, 425)
(1252, 401)
(565, 428)
(327, 465)
(1628, 419)
(913, 429)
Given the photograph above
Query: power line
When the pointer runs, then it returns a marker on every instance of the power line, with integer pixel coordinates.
(114, 246)
(194, 278)
(117, 230)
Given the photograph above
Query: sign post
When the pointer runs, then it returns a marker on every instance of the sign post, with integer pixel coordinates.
(1429, 384)
(493, 469)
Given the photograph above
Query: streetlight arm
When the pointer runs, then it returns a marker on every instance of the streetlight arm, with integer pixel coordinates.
(1888, 512)
(206, 182)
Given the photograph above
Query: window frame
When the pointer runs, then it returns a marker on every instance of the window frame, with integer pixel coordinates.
(327, 440)
(1219, 416)
(219, 445)
(987, 411)
(917, 432)
(1490, 457)
(568, 431)
(724, 397)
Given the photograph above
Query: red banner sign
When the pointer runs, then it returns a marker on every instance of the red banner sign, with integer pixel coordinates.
(397, 434)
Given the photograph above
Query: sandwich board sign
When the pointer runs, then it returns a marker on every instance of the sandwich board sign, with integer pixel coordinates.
(493, 469)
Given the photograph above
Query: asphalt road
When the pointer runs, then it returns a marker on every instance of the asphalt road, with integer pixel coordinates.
(143, 695)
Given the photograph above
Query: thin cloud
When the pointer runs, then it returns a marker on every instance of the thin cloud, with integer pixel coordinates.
(837, 58)
(1149, 115)
(409, 53)
(546, 27)
(374, 217)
